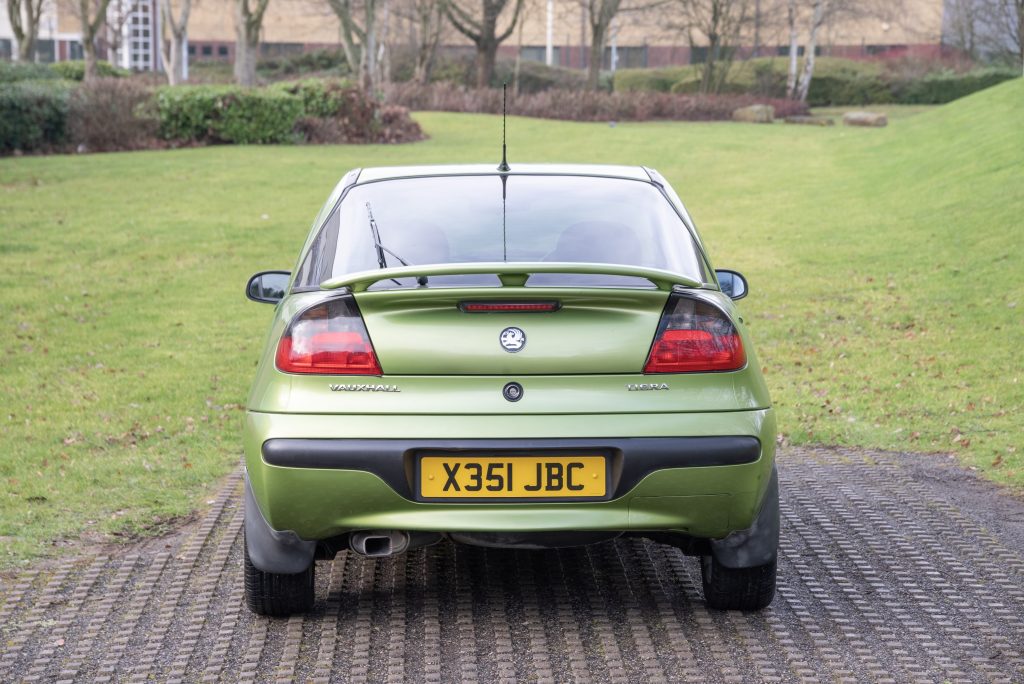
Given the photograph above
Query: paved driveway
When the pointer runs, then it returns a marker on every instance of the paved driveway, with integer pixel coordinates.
(893, 568)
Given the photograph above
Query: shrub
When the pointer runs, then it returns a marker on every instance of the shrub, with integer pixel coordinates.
(304, 63)
(336, 112)
(75, 70)
(112, 114)
(388, 124)
(584, 105)
(25, 71)
(33, 116)
(227, 114)
(536, 77)
(320, 97)
(650, 80)
(946, 86)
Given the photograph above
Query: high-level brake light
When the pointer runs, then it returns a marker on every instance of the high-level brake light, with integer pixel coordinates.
(508, 307)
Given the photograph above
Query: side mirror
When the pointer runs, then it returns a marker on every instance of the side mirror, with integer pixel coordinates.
(733, 284)
(268, 287)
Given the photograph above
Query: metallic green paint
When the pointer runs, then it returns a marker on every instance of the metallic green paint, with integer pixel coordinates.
(319, 503)
(449, 369)
(510, 273)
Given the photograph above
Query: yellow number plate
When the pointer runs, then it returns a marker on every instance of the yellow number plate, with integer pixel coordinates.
(512, 477)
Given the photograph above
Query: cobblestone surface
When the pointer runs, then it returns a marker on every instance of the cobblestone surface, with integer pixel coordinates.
(893, 568)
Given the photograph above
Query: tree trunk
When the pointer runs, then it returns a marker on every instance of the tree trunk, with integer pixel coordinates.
(794, 49)
(429, 16)
(596, 60)
(248, 23)
(90, 29)
(173, 50)
(245, 61)
(486, 56)
(24, 18)
(812, 43)
(483, 32)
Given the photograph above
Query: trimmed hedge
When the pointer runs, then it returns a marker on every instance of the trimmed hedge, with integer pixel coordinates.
(75, 70)
(836, 82)
(650, 80)
(946, 86)
(227, 114)
(33, 115)
(10, 72)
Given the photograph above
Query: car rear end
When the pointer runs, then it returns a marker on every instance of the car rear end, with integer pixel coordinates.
(579, 389)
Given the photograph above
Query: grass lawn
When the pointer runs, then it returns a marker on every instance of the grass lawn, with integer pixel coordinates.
(886, 265)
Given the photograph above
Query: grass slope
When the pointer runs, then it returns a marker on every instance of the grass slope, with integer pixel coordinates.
(886, 265)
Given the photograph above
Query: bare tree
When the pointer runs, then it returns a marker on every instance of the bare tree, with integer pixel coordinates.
(823, 9)
(482, 29)
(92, 16)
(1004, 34)
(172, 49)
(961, 25)
(600, 14)
(814, 15)
(24, 16)
(427, 20)
(359, 39)
(248, 24)
(714, 25)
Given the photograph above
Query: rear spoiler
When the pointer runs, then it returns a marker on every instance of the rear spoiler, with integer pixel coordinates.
(510, 274)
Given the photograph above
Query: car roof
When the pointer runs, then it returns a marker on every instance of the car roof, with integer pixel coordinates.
(380, 173)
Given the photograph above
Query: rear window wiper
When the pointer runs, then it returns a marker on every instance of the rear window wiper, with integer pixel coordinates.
(381, 259)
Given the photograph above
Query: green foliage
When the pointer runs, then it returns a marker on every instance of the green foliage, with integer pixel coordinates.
(318, 61)
(25, 71)
(227, 114)
(836, 82)
(536, 77)
(946, 86)
(75, 70)
(654, 80)
(888, 316)
(320, 97)
(33, 115)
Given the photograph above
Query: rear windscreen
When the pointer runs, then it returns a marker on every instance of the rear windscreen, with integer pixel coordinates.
(462, 219)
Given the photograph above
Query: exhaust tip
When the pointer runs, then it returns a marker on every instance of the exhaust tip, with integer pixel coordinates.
(378, 543)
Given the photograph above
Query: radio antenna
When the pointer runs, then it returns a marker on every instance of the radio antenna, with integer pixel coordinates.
(503, 167)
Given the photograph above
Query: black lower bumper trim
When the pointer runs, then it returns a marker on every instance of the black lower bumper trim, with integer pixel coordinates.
(633, 458)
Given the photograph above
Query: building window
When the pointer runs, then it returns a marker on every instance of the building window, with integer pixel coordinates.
(626, 57)
(207, 50)
(191, 50)
(222, 51)
(6, 46)
(75, 50)
(538, 53)
(699, 55)
(45, 51)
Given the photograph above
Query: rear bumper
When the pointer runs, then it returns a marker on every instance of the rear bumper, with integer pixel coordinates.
(321, 476)
(394, 460)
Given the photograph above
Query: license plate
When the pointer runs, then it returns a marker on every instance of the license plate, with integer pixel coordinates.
(513, 477)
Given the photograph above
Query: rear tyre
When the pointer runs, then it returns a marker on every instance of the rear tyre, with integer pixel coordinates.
(737, 588)
(276, 595)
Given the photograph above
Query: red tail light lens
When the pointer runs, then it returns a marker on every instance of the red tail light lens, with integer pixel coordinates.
(328, 339)
(695, 337)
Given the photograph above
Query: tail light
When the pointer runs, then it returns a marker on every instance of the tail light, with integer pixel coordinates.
(695, 337)
(328, 339)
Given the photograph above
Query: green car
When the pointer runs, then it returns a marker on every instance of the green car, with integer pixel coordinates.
(532, 358)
